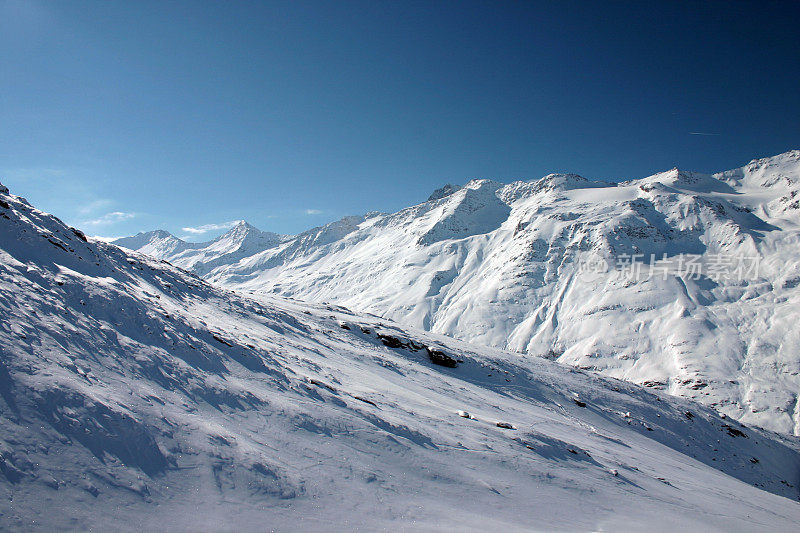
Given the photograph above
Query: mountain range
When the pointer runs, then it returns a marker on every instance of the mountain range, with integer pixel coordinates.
(136, 396)
(680, 281)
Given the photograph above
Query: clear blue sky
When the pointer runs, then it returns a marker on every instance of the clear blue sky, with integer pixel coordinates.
(128, 116)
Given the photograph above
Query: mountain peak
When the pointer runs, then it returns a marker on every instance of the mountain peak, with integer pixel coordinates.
(144, 237)
(241, 228)
(565, 176)
(792, 156)
(564, 182)
(443, 192)
(159, 233)
(473, 184)
(242, 224)
(158, 243)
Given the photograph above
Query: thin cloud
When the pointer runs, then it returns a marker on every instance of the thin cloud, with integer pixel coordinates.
(703, 133)
(313, 212)
(110, 218)
(95, 206)
(205, 228)
(33, 173)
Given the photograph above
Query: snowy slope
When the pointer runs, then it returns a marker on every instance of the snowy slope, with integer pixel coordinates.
(503, 266)
(135, 396)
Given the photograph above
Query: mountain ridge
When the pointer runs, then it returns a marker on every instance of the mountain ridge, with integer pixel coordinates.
(503, 265)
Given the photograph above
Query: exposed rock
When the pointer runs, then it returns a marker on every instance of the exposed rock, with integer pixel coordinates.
(438, 357)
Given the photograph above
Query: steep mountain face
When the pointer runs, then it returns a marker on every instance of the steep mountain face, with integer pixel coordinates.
(561, 267)
(133, 394)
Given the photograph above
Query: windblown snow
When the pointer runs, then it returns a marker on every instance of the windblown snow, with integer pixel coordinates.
(135, 396)
(505, 265)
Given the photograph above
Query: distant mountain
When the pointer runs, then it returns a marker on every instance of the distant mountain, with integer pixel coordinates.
(560, 268)
(158, 243)
(136, 397)
(242, 240)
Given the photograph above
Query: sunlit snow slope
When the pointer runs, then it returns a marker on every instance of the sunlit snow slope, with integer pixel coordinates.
(499, 265)
(134, 396)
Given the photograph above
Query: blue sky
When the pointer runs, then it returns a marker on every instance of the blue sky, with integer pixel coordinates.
(127, 116)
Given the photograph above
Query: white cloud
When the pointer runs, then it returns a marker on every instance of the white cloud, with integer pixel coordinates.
(110, 218)
(205, 228)
(313, 212)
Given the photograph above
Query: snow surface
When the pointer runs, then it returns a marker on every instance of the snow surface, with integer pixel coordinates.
(499, 265)
(134, 395)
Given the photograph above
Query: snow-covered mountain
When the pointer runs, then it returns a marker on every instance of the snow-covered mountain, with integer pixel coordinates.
(560, 267)
(158, 243)
(242, 240)
(134, 396)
